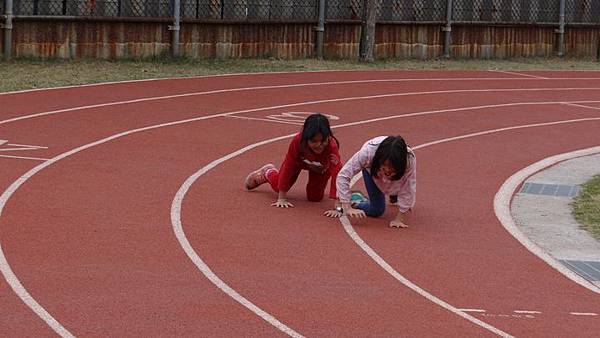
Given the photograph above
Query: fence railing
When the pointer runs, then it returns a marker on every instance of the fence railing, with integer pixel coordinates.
(473, 11)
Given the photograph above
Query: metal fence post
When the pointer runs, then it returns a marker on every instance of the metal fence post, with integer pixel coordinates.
(448, 29)
(7, 26)
(175, 28)
(561, 29)
(320, 29)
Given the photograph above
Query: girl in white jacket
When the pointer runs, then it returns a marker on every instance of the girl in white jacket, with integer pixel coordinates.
(389, 168)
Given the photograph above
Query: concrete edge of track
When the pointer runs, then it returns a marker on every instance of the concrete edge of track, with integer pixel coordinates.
(503, 199)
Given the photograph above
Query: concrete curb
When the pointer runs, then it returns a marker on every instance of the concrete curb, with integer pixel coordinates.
(542, 210)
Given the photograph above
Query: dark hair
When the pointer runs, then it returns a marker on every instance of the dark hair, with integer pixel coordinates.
(392, 149)
(313, 125)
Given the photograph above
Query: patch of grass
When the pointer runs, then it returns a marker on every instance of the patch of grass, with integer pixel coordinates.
(37, 73)
(586, 206)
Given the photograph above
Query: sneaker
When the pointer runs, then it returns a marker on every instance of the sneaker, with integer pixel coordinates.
(356, 198)
(258, 177)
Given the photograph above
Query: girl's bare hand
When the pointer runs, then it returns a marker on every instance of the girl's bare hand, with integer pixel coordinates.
(398, 224)
(355, 213)
(333, 213)
(282, 203)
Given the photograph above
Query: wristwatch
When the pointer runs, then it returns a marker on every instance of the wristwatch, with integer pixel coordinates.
(340, 209)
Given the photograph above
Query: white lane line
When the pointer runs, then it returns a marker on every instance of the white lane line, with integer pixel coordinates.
(26, 146)
(203, 267)
(503, 199)
(583, 313)
(472, 310)
(383, 264)
(18, 149)
(265, 120)
(530, 312)
(5, 268)
(582, 106)
(25, 158)
(521, 74)
(109, 104)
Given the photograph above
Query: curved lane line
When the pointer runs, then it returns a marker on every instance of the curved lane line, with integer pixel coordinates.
(12, 279)
(110, 104)
(180, 233)
(503, 199)
(203, 267)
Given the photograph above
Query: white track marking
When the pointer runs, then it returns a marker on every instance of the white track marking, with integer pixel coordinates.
(25, 158)
(383, 264)
(16, 149)
(109, 104)
(26, 146)
(472, 310)
(527, 312)
(3, 141)
(265, 120)
(503, 199)
(583, 313)
(203, 267)
(521, 74)
(5, 268)
(582, 106)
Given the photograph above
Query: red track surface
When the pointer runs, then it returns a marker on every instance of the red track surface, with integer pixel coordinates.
(90, 236)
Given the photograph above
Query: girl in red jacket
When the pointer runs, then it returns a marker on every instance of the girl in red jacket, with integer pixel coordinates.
(314, 149)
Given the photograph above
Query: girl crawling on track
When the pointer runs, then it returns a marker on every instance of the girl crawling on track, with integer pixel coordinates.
(389, 168)
(314, 149)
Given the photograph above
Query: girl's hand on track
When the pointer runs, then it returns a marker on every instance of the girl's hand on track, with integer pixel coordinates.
(351, 212)
(398, 224)
(282, 203)
(333, 213)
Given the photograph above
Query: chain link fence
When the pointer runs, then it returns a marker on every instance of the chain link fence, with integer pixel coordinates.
(472, 11)
(507, 11)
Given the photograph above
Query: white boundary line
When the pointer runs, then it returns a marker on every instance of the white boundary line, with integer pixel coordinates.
(583, 313)
(364, 71)
(109, 104)
(503, 199)
(13, 280)
(388, 268)
(265, 120)
(521, 74)
(25, 158)
(189, 250)
(582, 106)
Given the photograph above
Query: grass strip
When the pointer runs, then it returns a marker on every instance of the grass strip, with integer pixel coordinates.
(586, 206)
(23, 74)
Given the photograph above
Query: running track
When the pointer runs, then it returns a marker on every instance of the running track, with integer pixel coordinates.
(123, 211)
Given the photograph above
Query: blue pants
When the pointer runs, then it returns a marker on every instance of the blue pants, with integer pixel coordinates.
(375, 206)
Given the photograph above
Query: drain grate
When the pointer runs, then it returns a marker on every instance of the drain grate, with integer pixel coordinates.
(589, 270)
(550, 189)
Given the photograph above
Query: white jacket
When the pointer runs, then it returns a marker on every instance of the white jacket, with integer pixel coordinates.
(405, 187)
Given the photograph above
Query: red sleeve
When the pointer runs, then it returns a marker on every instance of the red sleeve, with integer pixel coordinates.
(291, 165)
(335, 162)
